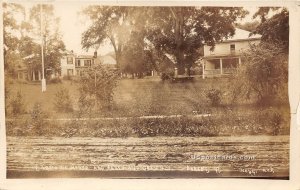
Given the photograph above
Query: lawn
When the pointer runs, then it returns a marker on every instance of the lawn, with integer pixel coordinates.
(135, 98)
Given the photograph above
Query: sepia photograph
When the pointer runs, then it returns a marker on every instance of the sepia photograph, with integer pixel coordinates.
(107, 91)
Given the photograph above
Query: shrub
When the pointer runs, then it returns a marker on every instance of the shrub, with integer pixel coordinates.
(37, 119)
(62, 101)
(270, 118)
(17, 104)
(263, 74)
(68, 77)
(55, 80)
(96, 88)
(214, 96)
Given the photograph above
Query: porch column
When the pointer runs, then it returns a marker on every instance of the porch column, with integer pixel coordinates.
(240, 62)
(221, 66)
(39, 75)
(33, 75)
(203, 69)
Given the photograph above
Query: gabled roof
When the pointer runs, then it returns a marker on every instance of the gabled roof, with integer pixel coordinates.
(241, 35)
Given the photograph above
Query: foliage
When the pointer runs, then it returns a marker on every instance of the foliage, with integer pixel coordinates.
(263, 74)
(265, 121)
(52, 39)
(97, 88)
(108, 23)
(17, 104)
(20, 28)
(179, 31)
(37, 121)
(214, 96)
(62, 101)
(55, 80)
(134, 59)
(248, 26)
(276, 28)
(11, 30)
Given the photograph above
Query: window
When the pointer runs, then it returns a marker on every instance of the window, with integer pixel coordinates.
(87, 63)
(70, 72)
(69, 60)
(77, 63)
(232, 47)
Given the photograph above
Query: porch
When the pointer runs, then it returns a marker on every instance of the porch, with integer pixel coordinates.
(220, 66)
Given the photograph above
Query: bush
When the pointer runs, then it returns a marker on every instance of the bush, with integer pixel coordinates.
(62, 101)
(68, 77)
(55, 80)
(263, 74)
(272, 118)
(214, 96)
(96, 88)
(37, 119)
(17, 104)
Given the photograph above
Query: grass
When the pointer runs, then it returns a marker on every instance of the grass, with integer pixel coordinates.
(151, 96)
(132, 97)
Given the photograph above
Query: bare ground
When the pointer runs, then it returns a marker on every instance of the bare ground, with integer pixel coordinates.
(163, 157)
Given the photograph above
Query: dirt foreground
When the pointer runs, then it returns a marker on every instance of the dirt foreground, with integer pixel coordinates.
(151, 157)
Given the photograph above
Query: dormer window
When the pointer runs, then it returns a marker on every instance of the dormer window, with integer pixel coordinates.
(232, 47)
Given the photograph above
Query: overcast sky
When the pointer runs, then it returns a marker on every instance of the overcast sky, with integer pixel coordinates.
(72, 25)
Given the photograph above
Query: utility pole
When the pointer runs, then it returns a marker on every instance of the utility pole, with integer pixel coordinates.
(42, 53)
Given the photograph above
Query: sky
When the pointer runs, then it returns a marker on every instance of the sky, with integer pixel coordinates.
(73, 24)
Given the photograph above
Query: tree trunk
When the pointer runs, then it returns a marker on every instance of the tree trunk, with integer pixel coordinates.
(179, 39)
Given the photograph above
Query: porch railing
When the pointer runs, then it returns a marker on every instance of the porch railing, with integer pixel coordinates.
(217, 72)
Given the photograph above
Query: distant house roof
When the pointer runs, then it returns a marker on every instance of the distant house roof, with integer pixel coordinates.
(84, 57)
(108, 60)
(241, 35)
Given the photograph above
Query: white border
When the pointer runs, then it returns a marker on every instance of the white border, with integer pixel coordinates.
(174, 184)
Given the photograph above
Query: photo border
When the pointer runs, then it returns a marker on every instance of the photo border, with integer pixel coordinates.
(132, 184)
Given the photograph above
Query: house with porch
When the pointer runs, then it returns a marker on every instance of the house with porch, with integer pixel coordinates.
(225, 57)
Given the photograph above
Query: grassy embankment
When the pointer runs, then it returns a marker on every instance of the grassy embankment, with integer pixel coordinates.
(150, 97)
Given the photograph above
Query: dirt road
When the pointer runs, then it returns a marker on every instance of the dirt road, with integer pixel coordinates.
(248, 156)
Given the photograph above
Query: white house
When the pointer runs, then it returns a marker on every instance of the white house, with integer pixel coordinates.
(67, 64)
(73, 65)
(226, 55)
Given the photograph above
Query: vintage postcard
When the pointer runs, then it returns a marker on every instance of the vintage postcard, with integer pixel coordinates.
(97, 90)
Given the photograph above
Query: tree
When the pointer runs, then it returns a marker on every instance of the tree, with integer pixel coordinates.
(108, 23)
(96, 88)
(52, 40)
(263, 75)
(181, 31)
(265, 69)
(11, 33)
(275, 28)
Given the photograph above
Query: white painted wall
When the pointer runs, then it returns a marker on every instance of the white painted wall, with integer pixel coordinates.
(224, 47)
(65, 66)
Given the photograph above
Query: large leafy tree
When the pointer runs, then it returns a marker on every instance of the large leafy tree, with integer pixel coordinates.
(11, 35)
(181, 31)
(265, 72)
(274, 28)
(52, 40)
(108, 23)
